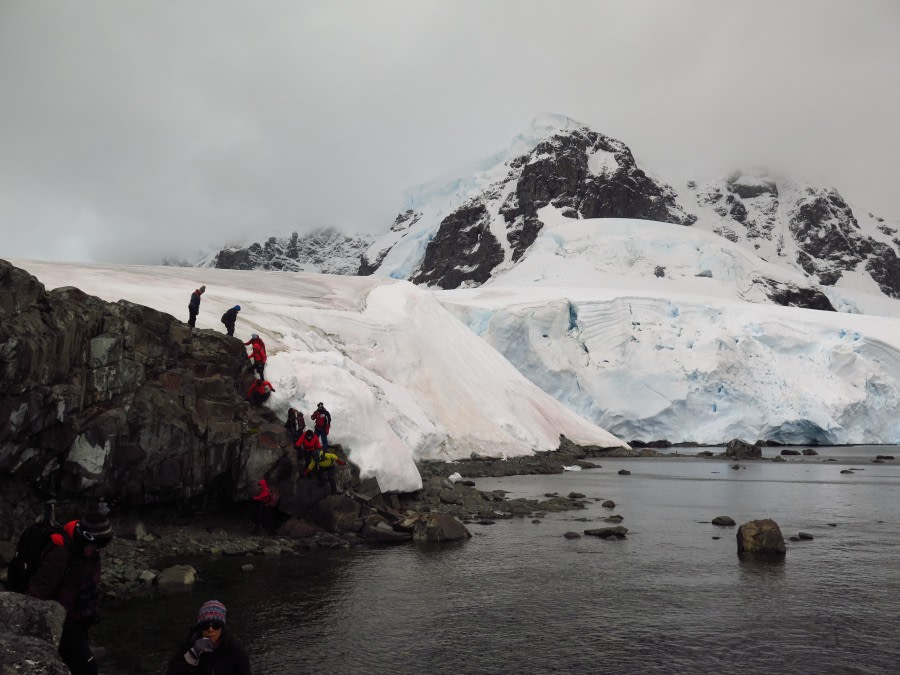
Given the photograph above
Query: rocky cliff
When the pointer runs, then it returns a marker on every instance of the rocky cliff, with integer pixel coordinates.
(122, 402)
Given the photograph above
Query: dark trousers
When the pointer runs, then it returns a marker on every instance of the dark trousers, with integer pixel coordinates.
(192, 317)
(258, 367)
(74, 648)
(229, 329)
(329, 473)
(258, 399)
(320, 432)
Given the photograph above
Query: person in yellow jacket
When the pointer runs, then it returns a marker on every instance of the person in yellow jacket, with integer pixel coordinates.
(325, 467)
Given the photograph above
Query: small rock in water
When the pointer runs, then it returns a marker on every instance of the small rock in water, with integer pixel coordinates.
(608, 504)
(805, 535)
(717, 537)
(850, 471)
(572, 535)
(624, 472)
(536, 521)
(576, 495)
(724, 521)
(832, 524)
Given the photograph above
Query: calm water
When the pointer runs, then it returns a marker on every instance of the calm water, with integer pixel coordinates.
(519, 598)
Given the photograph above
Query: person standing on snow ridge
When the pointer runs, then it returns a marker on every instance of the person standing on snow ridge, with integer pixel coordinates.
(257, 354)
(228, 318)
(194, 306)
(70, 574)
(259, 392)
(210, 647)
(322, 419)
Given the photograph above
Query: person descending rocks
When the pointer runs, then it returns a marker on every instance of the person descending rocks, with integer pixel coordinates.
(266, 501)
(322, 420)
(295, 424)
(259, 392)
(194, 305)
(210, 647)
(324, 468)
(309, 448)
(228, 318)
(69, 573)
(257, 354)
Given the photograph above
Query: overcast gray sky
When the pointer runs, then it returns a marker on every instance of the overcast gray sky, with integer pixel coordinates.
(130, 131)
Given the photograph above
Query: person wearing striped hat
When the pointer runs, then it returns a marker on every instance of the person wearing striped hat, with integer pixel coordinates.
(210, 647)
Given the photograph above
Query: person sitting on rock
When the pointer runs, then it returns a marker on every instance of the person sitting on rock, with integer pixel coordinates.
(295, 424)
(259, 392)
(194, 305)
(266, 501)
(228, 318)
(325, 467)
(322, 419)
(309, 447)
(257, 354)
(210, 647)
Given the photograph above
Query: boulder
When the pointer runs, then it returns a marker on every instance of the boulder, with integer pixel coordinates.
(434, 527)
(296, 528)
(738, 449)
(337, 513)
(608, 504)
(724, 521)
(760, 537)
(788, 452)
(29, 635)
(809, 452)
(177, 577)
(618, 531)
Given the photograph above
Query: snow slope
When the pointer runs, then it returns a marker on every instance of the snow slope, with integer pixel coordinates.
(403, 379)
(691, 355)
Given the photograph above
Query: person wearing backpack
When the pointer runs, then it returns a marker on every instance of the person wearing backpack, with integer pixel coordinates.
(69, 572)
(322, 419)
(257, 354)
(228, 318)
(266, 501)
(325, 467)
(259, 392)
(295, 424)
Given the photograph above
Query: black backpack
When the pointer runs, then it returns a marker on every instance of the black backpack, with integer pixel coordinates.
(34, 541)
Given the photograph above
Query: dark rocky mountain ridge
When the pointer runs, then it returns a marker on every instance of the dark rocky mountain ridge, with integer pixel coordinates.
(586, 174)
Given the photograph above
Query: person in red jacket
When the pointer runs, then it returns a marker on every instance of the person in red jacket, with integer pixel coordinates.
(266, 502)
(257, 354)
(322, 420)
(259, 392)
(70, 574)
(309, 449)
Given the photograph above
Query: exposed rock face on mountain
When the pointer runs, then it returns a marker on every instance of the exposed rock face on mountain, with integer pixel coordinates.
(324, 250)
(803, 227)
(582, 173)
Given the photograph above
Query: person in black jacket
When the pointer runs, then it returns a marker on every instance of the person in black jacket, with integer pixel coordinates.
(194, 306)
(228, 318)
(210, 647)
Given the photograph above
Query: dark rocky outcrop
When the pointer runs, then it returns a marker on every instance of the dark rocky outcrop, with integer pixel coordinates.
(791, 295)
(463, 250)
(738, 449)
(120, 402)
(322, 250)
(762, 537)
(29, 635)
